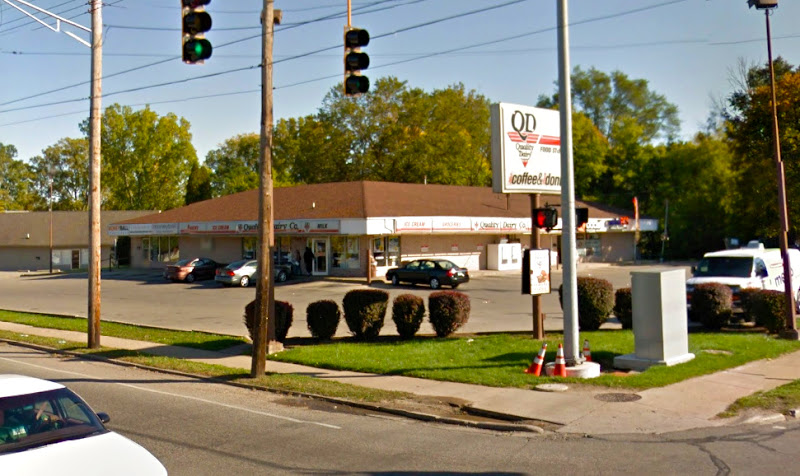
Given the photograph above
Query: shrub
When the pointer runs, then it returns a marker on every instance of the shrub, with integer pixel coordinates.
(448, 311)
(408, 311)
(364, 312)
(595, 302)
(623, 307)
(284, 313)
(746, 300)
(712, 305)
(323, 319)
(769, 310)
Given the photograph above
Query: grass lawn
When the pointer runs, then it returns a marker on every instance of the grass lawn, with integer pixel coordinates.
(499, 360)
(197, 340)
(272, 381)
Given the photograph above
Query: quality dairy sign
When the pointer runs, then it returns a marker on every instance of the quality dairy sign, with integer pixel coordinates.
(526, 149)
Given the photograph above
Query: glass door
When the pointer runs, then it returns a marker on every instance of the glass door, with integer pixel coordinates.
(320, 247)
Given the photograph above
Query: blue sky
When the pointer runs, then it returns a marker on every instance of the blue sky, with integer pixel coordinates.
(688, 50)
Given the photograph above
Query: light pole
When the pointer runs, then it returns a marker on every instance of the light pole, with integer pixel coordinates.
(791, 331)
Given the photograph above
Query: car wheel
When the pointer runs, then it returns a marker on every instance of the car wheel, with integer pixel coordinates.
(245, 281)
(282, 276)
(455, 285)
(190, 278)
(395, 280)
(435, 283)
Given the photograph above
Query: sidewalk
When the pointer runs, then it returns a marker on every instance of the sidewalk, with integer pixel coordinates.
(685, 405)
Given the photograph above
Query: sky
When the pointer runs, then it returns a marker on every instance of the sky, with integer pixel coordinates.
(688, 50)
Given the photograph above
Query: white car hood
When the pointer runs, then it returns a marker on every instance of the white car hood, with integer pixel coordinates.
(100, 455)
(728, 281)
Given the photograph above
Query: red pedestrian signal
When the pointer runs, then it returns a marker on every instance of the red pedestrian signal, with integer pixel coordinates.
(546, 218)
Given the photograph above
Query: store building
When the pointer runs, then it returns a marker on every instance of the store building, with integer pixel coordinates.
(25, 242)
(344, 223)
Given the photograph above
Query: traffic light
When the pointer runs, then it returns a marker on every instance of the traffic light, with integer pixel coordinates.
(581, 217)
(762, 4)
(545, 218)
(354, 61)
(196, 21)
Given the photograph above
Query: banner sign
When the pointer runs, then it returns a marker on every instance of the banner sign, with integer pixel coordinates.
(540, 271)
(526, 149)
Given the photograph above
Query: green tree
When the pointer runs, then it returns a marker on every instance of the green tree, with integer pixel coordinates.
(16, 181)
(146, 158)
(394, 133)
(748, 126)
(198, 187)
(234, 164)
(67, 162)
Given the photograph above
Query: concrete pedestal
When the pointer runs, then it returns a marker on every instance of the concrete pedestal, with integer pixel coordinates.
(659, 320)
(584, 370)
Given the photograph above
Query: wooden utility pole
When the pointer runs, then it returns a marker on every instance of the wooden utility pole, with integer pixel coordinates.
(264, 333)
(536, 299)
(94, 176)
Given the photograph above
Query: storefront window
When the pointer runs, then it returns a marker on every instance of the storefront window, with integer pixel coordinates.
(168, 250)
(146, 249)
(249, 247)
(588, 245)
(386, 250)
(344, 252)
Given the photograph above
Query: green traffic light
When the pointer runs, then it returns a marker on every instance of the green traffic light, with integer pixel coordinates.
(195, 50)
(356, 84)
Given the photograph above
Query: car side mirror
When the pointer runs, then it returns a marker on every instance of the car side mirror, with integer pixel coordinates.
(103, 416)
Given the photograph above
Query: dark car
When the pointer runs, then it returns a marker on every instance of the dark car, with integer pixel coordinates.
(436, 272)
(191, 270)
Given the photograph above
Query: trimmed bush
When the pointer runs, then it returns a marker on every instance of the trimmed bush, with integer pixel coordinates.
(595, 302)
(364, 312)
(323, 319)
(712, 305)
(448, 311)
(623, 307)
(408, 311)
(284, 313)
(769, 310)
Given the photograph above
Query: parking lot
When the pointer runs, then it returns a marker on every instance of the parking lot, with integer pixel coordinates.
(144, 297)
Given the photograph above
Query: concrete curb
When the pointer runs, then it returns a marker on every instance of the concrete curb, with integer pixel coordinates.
(493, 426)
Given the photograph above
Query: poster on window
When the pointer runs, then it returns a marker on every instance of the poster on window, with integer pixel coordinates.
(540, 271)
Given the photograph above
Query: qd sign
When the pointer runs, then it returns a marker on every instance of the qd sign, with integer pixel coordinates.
(526, 149)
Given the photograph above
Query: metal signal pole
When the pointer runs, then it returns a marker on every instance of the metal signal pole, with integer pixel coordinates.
(264, 330)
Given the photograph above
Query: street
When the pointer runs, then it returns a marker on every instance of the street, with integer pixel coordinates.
(145, 298)
(196, 427)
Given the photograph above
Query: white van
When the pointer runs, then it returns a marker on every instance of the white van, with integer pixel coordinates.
(750, 267)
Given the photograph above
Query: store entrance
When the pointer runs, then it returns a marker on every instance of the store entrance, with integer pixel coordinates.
(320, 247)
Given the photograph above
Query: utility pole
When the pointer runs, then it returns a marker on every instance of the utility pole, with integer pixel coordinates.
(94, 175)
(264, 333)
(93, 317)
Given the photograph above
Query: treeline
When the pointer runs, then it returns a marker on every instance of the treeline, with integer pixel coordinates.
(626, 144)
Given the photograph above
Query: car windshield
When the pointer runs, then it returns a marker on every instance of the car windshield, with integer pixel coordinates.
(38, 419)
(184, 262)
(734, 267)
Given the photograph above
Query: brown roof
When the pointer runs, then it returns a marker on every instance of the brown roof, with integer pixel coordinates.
(70, 229)
(367, 199)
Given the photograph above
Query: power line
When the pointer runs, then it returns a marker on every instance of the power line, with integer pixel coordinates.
(452, 50)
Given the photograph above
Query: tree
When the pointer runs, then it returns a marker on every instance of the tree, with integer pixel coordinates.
(198, 187)
(146, 158)
(749, 128)
(67, 161)
(16, 179)
(234, 164)
(394, 133)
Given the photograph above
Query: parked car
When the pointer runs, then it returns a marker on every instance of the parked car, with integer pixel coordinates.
(243, 273)
(45, 428)
(191, 270)
(436, 272)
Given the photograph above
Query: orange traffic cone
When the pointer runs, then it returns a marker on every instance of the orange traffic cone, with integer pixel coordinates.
(587, 354)
(560, 369)
(536, 366)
